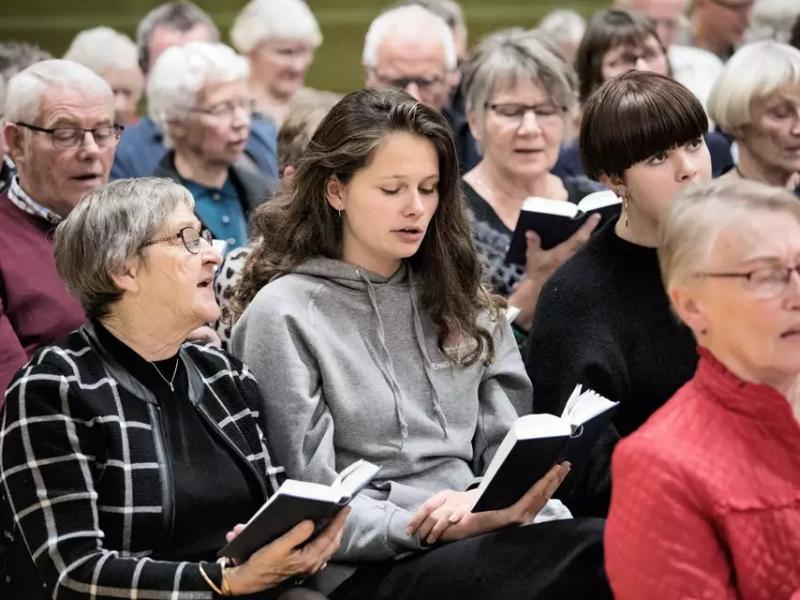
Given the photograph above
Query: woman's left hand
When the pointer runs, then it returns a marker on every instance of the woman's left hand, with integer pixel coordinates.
(439, 512)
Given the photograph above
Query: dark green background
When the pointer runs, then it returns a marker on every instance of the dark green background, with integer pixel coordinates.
(52, 24)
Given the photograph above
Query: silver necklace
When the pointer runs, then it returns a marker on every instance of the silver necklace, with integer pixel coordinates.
(171, 380)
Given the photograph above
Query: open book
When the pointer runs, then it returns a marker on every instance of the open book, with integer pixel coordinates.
(296, 501)
(537, 442)
(557, 220)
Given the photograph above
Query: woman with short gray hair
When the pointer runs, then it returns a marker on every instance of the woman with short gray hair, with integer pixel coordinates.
(756, 100)
(705, 498)
(279, 38)
(519, 96)
(128, 431)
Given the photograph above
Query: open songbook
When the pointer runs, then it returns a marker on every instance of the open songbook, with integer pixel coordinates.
(296, 501)
(556, 220)
(537, 442)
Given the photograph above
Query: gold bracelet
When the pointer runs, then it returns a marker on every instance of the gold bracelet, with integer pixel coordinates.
(226, 587)
(210, 583)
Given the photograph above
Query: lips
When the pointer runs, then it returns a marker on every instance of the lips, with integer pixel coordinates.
(409, 230)
(206, 283)
(791, 333)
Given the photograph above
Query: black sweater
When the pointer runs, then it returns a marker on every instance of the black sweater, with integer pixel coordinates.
(604, 321)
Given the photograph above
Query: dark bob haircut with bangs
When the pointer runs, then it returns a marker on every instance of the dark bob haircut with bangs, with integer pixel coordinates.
(634, 116)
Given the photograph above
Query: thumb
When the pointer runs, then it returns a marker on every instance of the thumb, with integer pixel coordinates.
(534, 242)
(296, 535)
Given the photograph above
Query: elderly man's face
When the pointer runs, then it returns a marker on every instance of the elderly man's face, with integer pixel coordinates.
(281, 65)
(751, 324)
(666, 14)
(415, 65)
(59, 177)
(165, 37)
(127, 85)
(217, 127)
(727, 19)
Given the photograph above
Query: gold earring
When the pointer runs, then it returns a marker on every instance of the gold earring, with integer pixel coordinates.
(624, 205)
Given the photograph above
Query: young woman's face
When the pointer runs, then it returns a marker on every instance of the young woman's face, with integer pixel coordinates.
(653, 184)
(388, 204)
(649, 56)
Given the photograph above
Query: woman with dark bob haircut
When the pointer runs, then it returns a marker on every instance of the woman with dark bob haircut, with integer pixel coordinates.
(603, 319)
(367, 322)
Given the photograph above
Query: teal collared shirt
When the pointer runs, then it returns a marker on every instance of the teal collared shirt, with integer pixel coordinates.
(221, 211)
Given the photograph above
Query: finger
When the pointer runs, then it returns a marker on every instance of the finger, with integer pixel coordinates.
(430, 505)
(295, 536)
(532, 240)
(328, 535)
(439, 528)
(237, 529)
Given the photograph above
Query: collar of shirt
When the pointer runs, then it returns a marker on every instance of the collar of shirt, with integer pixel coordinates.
(28, 205)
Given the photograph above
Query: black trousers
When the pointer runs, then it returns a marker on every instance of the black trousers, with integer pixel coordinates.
(559, 560)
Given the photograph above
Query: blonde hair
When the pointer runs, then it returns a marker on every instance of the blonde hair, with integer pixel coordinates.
(755, 71)
(694, 221)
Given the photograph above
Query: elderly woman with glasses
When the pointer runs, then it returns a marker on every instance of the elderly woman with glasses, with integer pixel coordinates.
(756, 100)
(198, 93)
(519, 94)
(706, 498)
(128, 455)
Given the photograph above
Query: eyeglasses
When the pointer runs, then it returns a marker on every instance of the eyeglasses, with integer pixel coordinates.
(226, 109)
(514, 113)
(766, 282)
(66, 138)
(188, 235)
(423, 82)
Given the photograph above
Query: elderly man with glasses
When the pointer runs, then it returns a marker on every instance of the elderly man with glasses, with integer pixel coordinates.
(60, 133)
(198, 94)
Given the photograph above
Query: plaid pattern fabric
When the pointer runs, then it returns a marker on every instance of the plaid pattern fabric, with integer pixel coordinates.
(82, 476)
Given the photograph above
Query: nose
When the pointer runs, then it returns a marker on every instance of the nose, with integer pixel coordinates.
(686, 168)
(641, 64)
(89, 147)
(241, 116)
(413, 89)
(415, 204)
(529, 123)
(209, 253)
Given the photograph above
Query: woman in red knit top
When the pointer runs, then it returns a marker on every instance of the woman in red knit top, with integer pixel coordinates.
(706, 495)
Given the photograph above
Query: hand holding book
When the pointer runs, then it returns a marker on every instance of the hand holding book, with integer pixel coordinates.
(446, 516)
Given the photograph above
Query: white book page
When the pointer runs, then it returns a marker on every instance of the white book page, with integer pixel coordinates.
(353, 478)
(588, 405)
(550, 207)
(597, 200)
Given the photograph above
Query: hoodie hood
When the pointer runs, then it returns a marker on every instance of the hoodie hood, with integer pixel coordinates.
(402, 282)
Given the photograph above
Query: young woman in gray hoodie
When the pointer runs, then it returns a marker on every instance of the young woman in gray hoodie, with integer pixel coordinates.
(366, 322)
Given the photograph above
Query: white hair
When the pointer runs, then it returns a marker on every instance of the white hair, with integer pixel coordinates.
(772, 20)
(102, 48)
(409, 22)
(181, 72)
(563, 26)
(27, 88)
(261, 20)
(754, 71)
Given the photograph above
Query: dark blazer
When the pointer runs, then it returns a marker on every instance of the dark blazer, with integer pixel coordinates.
(253, 188)
(79, 429)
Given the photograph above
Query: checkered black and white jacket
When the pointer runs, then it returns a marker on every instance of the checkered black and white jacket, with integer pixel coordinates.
(87, 486)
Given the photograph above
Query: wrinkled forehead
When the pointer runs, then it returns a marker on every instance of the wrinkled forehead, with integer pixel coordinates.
(411, 56)
(81, 106)
(755, 235)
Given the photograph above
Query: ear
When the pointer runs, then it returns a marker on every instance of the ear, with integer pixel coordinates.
(614, 183)
(127, 279)
(689, 309)
(288, 171)
(334, 193)
(15, 142)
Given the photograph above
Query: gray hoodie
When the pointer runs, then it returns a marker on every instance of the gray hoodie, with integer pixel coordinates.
(349, 368)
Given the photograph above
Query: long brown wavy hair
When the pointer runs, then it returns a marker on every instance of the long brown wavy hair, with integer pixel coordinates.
(300, 223)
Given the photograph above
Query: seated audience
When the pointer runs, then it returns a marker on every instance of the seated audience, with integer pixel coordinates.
(279, 38)
(128, 467)
(757, 102)
(706, 500)
(603, 320)
(412, 48)
(114, 57)
(617, 41)
(718, 26)
(367, 292)
(198, 94)
(61, 136)
(142, 146)
(519, 96)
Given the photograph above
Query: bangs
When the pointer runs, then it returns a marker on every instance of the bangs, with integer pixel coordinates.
(635, 116)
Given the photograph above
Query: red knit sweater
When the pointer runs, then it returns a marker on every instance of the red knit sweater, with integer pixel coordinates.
(706, 495)
(35, 307)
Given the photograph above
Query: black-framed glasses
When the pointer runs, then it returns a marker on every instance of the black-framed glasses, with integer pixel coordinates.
(423, 82)
(188, 235)
(226, 109)
(515, 111)
(66, 138)
(766, 282)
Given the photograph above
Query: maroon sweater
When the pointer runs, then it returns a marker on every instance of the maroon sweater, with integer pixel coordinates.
(35, 307)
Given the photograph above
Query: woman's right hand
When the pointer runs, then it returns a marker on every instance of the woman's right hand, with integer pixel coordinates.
(284, 557)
